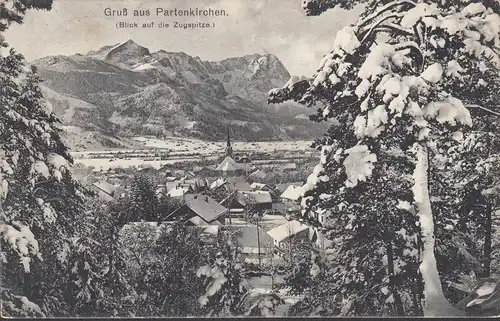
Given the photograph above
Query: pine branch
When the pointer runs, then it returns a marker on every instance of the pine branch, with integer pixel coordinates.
(385, 8)
(483, 108)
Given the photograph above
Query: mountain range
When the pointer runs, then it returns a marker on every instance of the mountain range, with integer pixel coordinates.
(124, 90)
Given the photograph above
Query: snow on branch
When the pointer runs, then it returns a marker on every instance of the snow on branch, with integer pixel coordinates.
(392, 26)
(380, 11)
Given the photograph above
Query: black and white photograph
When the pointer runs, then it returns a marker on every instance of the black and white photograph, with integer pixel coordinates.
(249, 158)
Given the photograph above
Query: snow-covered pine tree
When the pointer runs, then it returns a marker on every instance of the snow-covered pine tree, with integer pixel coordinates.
(166, 284)
(39, 199)
(401, 74)
(144, 204)
(463, 205)
(223, 279)
(84, 293)
(107, 221)
(298, 265)
(376, 240)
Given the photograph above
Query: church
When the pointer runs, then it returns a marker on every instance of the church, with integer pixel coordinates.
(229, 167)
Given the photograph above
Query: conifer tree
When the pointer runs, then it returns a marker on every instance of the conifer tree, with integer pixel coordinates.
(39, 198)
(144, 204)
(398, 81)
(223, 279)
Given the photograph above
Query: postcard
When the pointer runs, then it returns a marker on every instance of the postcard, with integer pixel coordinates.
(249, 158)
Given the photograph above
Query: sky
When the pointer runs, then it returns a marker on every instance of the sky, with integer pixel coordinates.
(279, 27)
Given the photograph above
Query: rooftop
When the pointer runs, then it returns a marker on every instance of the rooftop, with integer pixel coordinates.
(283, 186)
(258, 197)
(293, 193)
(178, 191)
(248, 236)
(256, 186)
(205, 207)
(259, 174)
(238, 183)
(286, 230)
(218, 183)
(228, 164)
(105, 187)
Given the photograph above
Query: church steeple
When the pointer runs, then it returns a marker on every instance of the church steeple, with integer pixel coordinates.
(229, 149)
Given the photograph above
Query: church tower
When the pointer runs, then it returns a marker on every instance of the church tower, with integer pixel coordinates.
(229, 149)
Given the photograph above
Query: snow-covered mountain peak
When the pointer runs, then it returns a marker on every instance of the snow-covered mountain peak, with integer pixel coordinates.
(127, 53)
(266, 66)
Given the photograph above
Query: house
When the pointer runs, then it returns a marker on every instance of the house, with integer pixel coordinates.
(292, 195)
(166, 171)
(197, 184)
(178, 173)
(318, 216)
(217, 183)
(200, 210)
(258, 175)
(104, 190)
(237, 184)
(259, 200)
(256, 186)
(189, 175)
(283, 186)
(288, 232)
(288, 167)
(243, 159)
(237, 204)
(196, 169)
(240, 201)
(179, 192)
(229, 168)
(204, 171)
(171, 185)
(266, 188)
(160, 189)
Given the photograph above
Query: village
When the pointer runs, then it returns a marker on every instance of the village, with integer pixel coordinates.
(259, 201)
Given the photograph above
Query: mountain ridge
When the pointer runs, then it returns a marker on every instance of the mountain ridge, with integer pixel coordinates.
(133, 91)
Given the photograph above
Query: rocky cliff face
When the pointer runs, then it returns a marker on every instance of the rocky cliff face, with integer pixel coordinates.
(125, 89)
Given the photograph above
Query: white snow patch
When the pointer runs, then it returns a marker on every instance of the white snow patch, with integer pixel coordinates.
(450, 110)
(144, 67)
(358, 164)
(346, 40)
(433, 73)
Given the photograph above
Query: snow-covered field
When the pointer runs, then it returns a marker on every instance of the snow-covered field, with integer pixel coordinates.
(178, 144)
(183, 149)
(106, 163)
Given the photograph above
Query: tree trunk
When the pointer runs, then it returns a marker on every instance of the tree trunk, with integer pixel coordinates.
(390, 269)
(487, 241)
(258, 243)
(435, 302)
